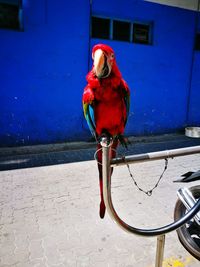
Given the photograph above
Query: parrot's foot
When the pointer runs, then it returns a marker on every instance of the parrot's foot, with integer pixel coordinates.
(124, 141)
(102, 209)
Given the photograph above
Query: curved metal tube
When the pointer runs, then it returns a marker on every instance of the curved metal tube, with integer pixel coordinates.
(109, 205)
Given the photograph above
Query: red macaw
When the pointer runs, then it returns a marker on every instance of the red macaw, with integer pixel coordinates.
(105, 103)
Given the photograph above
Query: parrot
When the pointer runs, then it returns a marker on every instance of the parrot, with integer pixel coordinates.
(106, 103)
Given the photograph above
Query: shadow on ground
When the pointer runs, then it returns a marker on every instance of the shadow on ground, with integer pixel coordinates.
(43, 158)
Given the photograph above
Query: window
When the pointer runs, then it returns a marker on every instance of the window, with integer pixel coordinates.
(100, 28)
(121, 30)
(197, 42)
(141, 33)
(10, 14)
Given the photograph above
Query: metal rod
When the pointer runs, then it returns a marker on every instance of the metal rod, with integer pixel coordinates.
(155, 155)
(160, 250)
(128, 228)
(107, 162)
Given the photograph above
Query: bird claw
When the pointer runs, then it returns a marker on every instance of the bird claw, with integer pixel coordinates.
(124, 141)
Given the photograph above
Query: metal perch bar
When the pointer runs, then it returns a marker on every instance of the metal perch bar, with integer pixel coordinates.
(155, 155)
(159, 232)
(107, 163)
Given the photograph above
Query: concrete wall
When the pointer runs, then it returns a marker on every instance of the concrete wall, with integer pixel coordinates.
(43, 73)
(158, 74)
(43, 70)
(194, 96)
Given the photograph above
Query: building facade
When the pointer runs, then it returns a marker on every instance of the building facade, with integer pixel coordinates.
(46, 55)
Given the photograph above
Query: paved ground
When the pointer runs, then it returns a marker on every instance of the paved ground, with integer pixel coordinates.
(49, 214)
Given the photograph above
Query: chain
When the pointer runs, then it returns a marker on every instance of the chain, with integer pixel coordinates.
(149, 192)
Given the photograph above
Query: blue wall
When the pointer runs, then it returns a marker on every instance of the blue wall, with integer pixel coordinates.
(159, 75)
(194, 97)
(43, 73)
(43, 70)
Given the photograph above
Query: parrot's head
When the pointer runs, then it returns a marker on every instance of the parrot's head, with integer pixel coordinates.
(104, 60)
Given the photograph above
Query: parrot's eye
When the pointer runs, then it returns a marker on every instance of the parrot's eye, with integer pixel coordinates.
(112, 56)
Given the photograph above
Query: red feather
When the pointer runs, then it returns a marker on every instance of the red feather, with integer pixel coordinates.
(109, 106)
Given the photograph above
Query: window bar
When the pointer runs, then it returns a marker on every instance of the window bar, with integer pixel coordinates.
(111, 29)
(131, 33)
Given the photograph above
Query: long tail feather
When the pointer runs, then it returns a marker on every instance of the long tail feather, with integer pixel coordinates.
(102, 207)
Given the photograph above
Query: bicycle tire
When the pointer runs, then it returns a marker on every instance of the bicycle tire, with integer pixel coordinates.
(189, 243)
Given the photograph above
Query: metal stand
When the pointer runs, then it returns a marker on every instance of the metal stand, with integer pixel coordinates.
(160, 250)
(107, 163)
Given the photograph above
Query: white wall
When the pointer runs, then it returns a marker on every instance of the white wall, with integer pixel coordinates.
(188, 4)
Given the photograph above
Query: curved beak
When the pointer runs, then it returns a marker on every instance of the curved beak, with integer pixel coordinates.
(101, 67)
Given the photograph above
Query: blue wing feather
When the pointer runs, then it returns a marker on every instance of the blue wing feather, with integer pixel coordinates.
(89, 115)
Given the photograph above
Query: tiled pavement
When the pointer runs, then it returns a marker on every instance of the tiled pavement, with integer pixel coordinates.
(49, 214)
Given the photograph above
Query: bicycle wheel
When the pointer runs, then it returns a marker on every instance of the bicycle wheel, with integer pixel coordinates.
(189, 233)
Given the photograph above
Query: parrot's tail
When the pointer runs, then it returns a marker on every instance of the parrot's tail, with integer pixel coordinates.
(102, 207)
